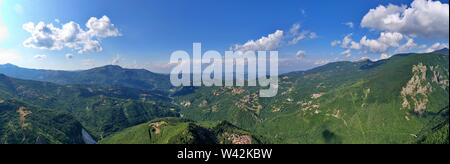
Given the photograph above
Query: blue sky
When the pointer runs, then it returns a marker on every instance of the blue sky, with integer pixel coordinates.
(145, 32)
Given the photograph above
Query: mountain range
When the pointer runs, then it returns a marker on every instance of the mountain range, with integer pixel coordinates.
(110, 75)
(403, 99)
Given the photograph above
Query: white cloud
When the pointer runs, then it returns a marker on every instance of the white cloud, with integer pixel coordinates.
(70, 35)
(335, 43)
(40, 57)
(347, 53)
(295, 28)
(436, 46)
(425, 18)
(296, 34)
(300, 55)
(321, 62)
(9, 56)
(374, 45)
(390, 39)
(364, 58)
(276, 40)
(348, 43)
(312, 35)
(116, 60)
(102, 27)
(350, 24)
(69, 56)
(266, 43)
(384, 56)
(383, 43)
(410, 44)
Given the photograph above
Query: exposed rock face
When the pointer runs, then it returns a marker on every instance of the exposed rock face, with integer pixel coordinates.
(316, 95)
(250, 103)
(23, 113)
(416, 92)
(156, 127)
(186, 104)
(439, 77)
(238, 139)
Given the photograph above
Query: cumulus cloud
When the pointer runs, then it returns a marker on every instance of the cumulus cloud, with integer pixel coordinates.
(102, 27)
(300, 55)
(276, 40)
(348, 43)
(70, 35)
(383, 43)
(265, 43)
(426, 18)
(410, 44)
(40, 57)
(436, 46)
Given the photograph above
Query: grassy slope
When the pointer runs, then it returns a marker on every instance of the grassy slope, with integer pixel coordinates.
(178, 131)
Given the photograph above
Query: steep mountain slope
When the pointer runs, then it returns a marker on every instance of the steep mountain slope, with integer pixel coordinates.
(102, 110)
(437, 130)
(387, 101)
(21, 124)
(182, 131)
(106, 76)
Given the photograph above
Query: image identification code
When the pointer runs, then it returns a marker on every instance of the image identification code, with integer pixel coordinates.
(225, 154)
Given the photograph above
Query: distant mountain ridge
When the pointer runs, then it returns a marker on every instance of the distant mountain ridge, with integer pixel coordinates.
(110, 75)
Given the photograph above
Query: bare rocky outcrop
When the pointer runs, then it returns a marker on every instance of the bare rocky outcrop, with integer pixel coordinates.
(415, 93)
(250, 103)
(238, 139)
(316, 95)
(23, 114)
(186, 104)
(439, 78)
(156, 126)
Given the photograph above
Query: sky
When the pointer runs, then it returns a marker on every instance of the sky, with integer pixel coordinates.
(82, 34)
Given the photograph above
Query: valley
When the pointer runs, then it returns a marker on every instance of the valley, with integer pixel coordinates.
(403, 99)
